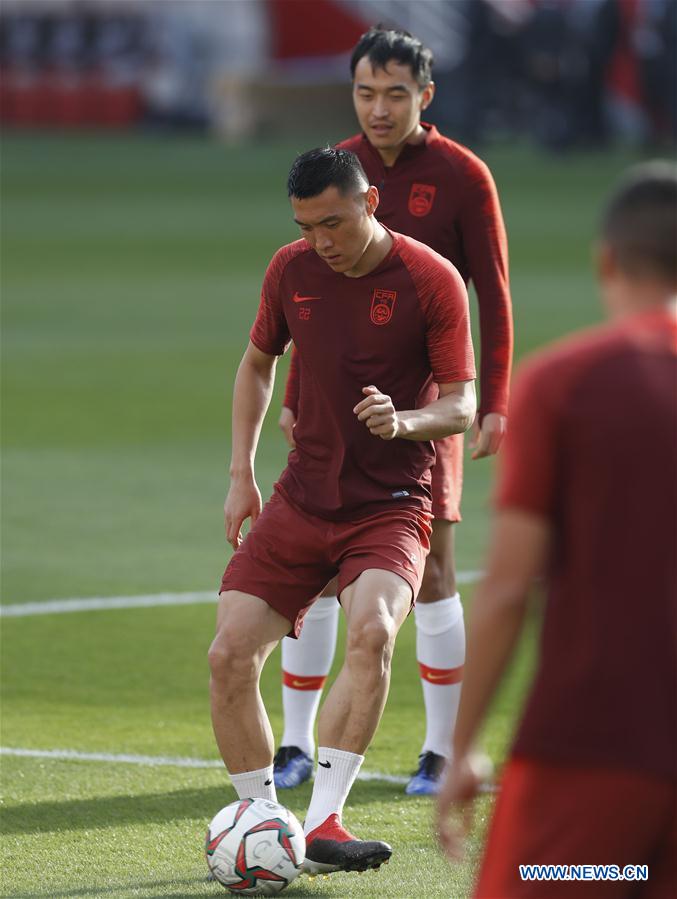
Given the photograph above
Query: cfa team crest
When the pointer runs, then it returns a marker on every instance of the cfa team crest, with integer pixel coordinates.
(382, 305)
(421, 199)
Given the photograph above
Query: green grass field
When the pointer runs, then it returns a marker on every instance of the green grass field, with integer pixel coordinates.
(131, 273)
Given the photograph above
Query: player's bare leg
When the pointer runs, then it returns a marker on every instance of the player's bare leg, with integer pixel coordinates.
(247, 631)
(306, 662)
(376, 604)
(440, 650)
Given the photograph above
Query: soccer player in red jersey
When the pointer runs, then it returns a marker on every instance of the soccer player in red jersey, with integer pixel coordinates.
(440, 193)
(588, 497)
(354, 501)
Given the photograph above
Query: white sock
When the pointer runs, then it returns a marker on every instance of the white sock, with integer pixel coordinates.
(332, 784)
(440, 650)
(305, 665)
(255, 784)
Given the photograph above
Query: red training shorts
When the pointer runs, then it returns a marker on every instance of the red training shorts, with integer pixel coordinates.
(447, 478)
(564, 815)
(289, 556)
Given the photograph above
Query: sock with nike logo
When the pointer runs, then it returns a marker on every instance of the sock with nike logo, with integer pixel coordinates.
(257, 784)
(305, 666)
(440, 650)
(335, 775)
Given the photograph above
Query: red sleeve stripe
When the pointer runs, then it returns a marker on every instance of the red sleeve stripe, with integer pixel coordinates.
(441, 676)
(300, 682)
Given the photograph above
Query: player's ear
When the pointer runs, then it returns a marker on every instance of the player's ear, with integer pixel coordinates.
(372, 199)
(427, 95)
(607, 271)
(604, 262)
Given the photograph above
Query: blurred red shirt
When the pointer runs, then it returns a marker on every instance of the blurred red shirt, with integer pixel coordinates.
(592, 448)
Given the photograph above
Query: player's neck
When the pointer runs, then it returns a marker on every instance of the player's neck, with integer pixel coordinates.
(390, 155)
(377, 249)
(635, 297)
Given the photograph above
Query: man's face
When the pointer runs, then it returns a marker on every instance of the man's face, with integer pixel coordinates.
(388, 103)
(338, 227)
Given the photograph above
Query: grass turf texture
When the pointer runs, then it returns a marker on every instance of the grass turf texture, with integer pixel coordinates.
(131, 272)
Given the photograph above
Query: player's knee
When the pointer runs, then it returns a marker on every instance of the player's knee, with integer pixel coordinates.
(219, 659)
(370, 646)
(230, 662)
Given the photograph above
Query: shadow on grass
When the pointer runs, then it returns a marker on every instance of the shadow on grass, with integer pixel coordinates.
(146, 887)
(114, 811)
(119, 889)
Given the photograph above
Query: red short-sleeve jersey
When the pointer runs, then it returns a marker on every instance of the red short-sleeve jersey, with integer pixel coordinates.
(440, 193)
(592, 448)
(401, 327)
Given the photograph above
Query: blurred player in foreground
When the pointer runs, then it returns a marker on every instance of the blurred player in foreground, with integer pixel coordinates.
(440, 193)
(588, 497)
(354, 500)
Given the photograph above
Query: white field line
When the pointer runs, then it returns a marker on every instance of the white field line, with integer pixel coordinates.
(153, 761)
(74, 755)
(104, 603)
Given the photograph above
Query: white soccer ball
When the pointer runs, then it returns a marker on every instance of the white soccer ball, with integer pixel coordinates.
(255, 847)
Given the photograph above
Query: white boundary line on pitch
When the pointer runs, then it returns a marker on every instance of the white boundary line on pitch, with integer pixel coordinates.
(156, 761)
(103, 603)
(106, 603)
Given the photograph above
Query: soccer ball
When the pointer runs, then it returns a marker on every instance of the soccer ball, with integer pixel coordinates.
(255, 847)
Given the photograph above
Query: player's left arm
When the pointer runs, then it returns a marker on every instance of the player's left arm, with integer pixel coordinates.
(289, 411)
(444, 303)
(486, 248)
(452, 413)
(519, 550)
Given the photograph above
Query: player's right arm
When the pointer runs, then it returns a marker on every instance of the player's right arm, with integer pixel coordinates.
(269, 338)
(251, 398)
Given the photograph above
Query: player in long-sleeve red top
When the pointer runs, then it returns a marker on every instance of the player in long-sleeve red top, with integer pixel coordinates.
(439, 192)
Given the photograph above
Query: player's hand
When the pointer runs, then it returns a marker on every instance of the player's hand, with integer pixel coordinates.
(243, 501)
(454, 807)
(378, 413)
(287, 423)
(485, 441)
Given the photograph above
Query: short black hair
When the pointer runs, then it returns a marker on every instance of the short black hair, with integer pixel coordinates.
(381, 45)
(640, 221)
(313, 172)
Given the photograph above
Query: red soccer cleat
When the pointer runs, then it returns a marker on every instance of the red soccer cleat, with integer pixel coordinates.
(330, 847)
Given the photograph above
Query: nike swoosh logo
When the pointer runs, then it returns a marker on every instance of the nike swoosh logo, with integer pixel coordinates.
(437, 676)
(302, 683)
(267, 783)
(297, 298)
(325, 764)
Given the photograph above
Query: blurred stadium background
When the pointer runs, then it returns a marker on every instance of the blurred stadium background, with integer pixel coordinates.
(565, 72)
(144, 155)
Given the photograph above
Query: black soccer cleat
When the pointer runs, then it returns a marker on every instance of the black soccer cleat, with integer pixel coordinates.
(330, 847)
